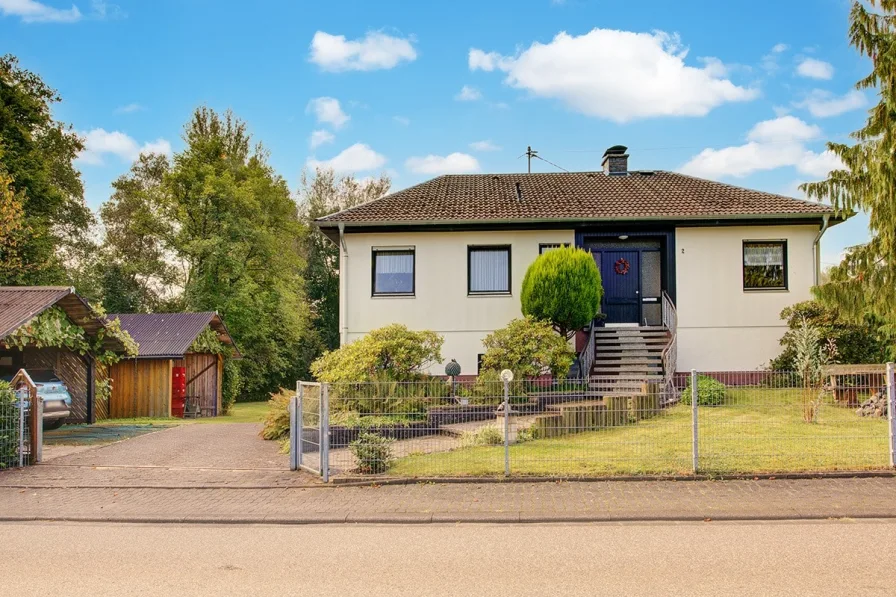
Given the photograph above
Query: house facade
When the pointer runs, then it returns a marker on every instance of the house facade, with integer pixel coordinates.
(450, 254)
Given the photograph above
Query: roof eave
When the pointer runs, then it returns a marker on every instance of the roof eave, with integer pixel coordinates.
(333, 224)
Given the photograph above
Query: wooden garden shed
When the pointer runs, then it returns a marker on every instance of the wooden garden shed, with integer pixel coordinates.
(146, 385)
(19, 305)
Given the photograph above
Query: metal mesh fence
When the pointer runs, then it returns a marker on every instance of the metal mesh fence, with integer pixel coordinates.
(15, 436)
(305, 445)
(791, 422)
(742, 422)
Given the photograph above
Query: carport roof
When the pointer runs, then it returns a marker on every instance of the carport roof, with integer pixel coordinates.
(21, 304)
(170, 335)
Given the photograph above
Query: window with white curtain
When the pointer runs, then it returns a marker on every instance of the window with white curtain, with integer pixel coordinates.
(488, 269)
(393, 272)
(765, 265)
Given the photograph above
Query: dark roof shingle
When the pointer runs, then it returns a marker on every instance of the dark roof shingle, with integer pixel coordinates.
(481, 198)
(169, 335)
(21, 304)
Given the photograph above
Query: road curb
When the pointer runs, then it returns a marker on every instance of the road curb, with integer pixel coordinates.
(439, 518)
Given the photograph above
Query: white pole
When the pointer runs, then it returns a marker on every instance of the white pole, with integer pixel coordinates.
(694, 397)
(293, 431)
(891, 406)
(325, 431)
(506, 428)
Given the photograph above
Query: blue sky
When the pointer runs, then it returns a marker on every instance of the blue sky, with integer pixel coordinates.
(743, 92)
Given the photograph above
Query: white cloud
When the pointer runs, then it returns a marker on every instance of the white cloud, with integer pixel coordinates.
(778, 48)
(32, 11)
(129, 109)
(327, 110)
(819, 165)
(617, 75)
(771, 144)
(815, 69)
(99, 143)
(468, 94)
(320, 137)
(823, 104)
(486, 145)
(402, 120)
(357, 158)
(455, 163)
(374, 51)
(783, 129)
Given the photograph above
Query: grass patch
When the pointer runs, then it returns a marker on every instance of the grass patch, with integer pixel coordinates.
(241, 412)
(757, 430)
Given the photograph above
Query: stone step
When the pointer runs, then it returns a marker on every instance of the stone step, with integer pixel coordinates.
(632, 333)
(602, 361)
(651, 341)
(631, 353)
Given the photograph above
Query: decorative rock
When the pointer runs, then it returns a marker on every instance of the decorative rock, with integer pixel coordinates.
(875, 406)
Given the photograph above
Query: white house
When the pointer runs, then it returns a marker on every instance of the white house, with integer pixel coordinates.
(450, 254)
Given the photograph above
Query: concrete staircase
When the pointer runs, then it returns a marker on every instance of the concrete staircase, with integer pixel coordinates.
(625, 358)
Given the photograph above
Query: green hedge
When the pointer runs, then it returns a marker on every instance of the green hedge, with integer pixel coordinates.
(710, 392)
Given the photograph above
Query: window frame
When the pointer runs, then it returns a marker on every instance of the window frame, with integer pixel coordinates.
(543, 246)
(492, 248)
(784, 265)
(412, 251)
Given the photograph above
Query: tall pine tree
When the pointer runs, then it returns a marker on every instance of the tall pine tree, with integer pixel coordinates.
(864, 284)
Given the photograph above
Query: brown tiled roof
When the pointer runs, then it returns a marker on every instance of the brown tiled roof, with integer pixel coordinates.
(574, 196)
(169, 335)
(21, 304)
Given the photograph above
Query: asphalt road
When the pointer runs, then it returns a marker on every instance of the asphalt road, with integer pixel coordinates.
(775, 558)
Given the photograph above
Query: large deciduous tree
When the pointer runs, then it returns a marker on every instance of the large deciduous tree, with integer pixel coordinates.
(38, 154)
(216, 229)
(323, 193)
(865, 282)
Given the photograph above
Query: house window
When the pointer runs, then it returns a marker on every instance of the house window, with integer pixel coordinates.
(765, 265)
(545, 247)
(479, 363)
(488, 269)
(393, 272)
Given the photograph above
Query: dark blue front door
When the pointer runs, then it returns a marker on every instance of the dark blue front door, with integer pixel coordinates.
(620, 273)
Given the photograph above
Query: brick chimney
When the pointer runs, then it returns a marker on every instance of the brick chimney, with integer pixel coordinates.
(615, 160)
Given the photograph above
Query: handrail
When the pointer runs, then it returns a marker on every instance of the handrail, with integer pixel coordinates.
(670, 352)
(586, 360)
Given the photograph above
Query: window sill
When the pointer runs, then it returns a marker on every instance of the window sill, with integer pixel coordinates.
(472, 294)
(393, 296)
(752, 290)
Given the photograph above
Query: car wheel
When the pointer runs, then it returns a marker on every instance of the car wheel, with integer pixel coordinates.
(54, 424)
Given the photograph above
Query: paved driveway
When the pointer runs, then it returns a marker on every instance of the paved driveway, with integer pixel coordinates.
(214, 445)
(192, 455)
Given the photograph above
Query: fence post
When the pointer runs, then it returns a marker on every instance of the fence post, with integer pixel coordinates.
(694, 397)
(37, 439)
(891, 406)
(20, 402)
(325, 431)
(293, 430)
(506, 428)
(300, 445)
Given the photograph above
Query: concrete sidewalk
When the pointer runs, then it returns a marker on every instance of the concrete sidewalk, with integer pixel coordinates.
(772, 499)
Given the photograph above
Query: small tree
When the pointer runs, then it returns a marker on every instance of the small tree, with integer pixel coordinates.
(393, 352)
(812, 355)
(563, 286)
(529, 348)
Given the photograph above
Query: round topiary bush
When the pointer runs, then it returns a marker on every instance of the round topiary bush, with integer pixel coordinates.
(710, 391)
(563, 286)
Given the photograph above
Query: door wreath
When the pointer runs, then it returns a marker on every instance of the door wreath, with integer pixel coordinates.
(622, 266)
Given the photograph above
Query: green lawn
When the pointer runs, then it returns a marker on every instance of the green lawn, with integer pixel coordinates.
(242, 412)
(758, 430)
